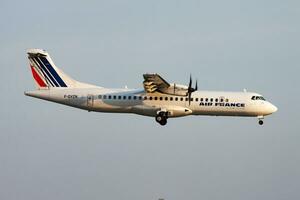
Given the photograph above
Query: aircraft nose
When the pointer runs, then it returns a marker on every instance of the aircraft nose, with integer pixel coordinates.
(273, 108)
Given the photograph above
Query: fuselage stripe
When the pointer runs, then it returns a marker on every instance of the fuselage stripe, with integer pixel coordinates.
(37, 77)
(43, 72)
(53, 72)
(46, 71)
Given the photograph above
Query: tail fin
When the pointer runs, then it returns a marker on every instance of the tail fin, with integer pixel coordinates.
(46, 74)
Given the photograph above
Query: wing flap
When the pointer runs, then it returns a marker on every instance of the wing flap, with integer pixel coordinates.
(154, 82)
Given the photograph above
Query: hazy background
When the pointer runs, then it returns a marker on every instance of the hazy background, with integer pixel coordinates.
(49, 151)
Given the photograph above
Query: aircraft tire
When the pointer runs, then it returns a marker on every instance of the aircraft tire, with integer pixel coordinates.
(159, 118)
(163, 122)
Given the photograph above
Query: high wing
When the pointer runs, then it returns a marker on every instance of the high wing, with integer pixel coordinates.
(155, 83)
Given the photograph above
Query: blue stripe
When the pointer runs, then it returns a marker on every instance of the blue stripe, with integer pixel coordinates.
(53, 72)
(47, 79)
(46, 71)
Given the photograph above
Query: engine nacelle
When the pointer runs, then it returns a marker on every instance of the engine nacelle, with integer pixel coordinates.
(176, 89)
(173, 89)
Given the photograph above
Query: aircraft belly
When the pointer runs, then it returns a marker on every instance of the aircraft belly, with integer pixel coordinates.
(102, 106)
(137, 109)
(145, 110)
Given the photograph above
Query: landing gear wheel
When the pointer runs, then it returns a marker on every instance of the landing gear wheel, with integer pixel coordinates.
(260, 122)
(161, 118)
(163, 122)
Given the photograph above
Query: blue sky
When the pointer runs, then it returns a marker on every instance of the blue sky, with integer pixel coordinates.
(50, 151)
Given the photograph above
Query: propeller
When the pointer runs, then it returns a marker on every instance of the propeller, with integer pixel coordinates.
(174, 88)
(191, 89)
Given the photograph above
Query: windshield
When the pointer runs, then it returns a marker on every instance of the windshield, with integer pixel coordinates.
(258, 98)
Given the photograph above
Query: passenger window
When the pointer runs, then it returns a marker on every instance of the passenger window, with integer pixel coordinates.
(227, 100)
(181, 99)
(166, 98)
(192, 99)
(211, 99)
(124, 97)
(197, 99)
(150, 98)
(176, 98)
(201, 99)
(216, 100)
(222, 100)
(155, 98)
(145, 97)
(140, 97)
(109, 97)
(171, 98)
(129, 97)
(104, 96)
(115, 97)
(100, 96)
(206, 99)
(186, 99)
(119, 97)
(160, 98)
(134, 97)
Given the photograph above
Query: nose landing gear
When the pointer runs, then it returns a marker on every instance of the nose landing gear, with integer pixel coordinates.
(260, 120)
(161, 118)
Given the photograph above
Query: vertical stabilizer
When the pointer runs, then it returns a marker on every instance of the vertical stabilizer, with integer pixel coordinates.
(46, 74)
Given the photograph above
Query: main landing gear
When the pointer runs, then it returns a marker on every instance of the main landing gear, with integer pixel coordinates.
(161, 118)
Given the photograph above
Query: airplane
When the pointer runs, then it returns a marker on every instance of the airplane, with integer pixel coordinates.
(157, 98)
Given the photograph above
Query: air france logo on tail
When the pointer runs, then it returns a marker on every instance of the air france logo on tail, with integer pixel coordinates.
(43, 71)
(37, 77)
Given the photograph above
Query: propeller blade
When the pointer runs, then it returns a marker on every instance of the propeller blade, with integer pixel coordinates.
(190, 89)
(190, 83)
(174, 87)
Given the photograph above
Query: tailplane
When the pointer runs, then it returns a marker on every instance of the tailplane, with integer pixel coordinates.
(46, 74)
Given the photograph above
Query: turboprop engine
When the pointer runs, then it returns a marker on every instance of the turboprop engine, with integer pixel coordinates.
(173, 89)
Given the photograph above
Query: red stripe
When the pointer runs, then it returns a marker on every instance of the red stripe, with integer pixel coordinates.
(37, 77)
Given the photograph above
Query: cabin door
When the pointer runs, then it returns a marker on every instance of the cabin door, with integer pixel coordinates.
(90, 100)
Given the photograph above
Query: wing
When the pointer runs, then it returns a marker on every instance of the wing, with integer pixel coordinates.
(154, 82)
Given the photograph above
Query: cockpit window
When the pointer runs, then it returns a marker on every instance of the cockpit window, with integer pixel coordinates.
(257, 98)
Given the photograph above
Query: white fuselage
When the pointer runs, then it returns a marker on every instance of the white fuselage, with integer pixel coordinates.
(157, 99)
(149, 104)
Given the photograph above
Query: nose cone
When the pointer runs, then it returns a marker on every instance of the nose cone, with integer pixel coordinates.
(272, 108)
